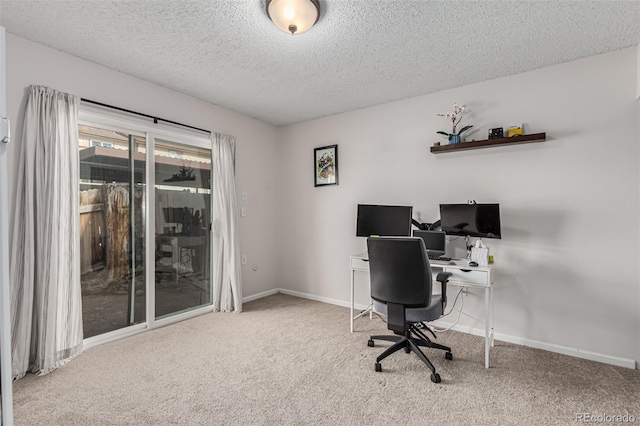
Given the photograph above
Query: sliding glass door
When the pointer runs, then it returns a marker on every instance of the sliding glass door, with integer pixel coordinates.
(112, 222)
(182, 218)
(145, 253)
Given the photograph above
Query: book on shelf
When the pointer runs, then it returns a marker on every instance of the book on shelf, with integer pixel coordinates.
(515, 130)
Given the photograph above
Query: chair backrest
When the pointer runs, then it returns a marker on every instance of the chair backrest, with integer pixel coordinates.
(400, 271)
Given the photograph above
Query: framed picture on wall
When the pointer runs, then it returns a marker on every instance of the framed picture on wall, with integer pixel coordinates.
(325, 165)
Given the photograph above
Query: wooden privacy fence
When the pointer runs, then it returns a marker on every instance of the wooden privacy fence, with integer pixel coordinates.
(92, 231)
(105, 240)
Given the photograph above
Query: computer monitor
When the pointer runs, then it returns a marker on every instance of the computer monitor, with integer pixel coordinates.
(382, 220)
(434, 241)
(474, 220)
(177, 214)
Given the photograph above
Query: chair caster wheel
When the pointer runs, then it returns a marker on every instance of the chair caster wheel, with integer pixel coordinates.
(370, 343)
(448, 356)
(407, 350)
(379, 367)
(435, 378)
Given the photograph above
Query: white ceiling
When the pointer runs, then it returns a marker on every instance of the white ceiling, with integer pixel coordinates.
(360, 53)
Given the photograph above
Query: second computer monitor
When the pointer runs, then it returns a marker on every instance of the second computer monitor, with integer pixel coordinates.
(434, 241)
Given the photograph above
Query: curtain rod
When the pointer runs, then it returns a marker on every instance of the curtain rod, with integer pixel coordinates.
(155, 119)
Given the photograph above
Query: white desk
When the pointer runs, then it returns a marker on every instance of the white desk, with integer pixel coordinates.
(462, 275)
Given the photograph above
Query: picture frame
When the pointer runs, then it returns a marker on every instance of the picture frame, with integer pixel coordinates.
(325, 165)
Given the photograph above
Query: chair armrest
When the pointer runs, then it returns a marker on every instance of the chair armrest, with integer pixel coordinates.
(443, 278)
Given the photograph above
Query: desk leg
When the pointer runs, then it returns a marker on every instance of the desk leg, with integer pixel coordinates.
(488, 325)
(491, 312)
(351, 315)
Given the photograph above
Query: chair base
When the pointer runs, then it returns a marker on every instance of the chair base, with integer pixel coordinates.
(410, 343)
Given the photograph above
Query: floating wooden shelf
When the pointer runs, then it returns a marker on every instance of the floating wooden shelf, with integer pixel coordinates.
(536, 137)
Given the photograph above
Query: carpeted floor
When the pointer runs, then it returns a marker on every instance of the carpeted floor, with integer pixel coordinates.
(286, 360)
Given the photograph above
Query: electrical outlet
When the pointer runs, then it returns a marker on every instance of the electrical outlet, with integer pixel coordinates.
(244, 259)
(243, 212)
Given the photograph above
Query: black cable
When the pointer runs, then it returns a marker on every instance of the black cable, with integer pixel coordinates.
(454, 302)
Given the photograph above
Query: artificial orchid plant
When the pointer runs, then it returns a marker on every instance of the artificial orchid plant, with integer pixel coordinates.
(456, 117)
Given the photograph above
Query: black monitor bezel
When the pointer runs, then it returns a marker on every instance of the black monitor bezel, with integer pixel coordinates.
(457, 232)
(384, 234)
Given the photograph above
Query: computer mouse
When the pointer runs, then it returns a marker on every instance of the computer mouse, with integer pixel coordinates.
(472, 263)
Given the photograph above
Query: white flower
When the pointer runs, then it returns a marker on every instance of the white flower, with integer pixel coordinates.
(455, 117)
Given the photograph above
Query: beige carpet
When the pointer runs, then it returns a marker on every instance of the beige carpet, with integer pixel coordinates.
(286, 360)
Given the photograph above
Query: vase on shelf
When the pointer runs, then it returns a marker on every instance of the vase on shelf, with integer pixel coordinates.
(454, 139)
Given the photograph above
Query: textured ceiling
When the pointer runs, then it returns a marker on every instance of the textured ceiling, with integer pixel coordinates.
(360, 53)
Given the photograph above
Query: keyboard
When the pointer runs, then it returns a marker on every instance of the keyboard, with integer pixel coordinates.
(443, 258)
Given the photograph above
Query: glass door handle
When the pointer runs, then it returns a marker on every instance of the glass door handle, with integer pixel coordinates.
(7, 139)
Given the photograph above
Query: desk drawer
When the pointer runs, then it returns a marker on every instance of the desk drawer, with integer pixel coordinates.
(469, 276)
(359, 264)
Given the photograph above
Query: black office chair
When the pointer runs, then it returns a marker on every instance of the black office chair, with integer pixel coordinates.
(401, 286)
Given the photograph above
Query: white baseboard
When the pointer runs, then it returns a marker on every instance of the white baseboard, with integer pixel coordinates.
(260, 295)
(317, 298)
(303, 296)
(578, 353)
(551, 347)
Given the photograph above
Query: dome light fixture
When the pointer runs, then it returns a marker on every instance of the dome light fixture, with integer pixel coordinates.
(293, 16)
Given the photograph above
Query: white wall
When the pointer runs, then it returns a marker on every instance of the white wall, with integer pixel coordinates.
(638, 73)
(567, 266)
(256, 159)
(638, 97)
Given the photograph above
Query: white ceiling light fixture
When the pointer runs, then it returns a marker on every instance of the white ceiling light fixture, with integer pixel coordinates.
(293, 16)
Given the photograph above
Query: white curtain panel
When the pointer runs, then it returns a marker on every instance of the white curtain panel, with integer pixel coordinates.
(227, 280)
(46, 309)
